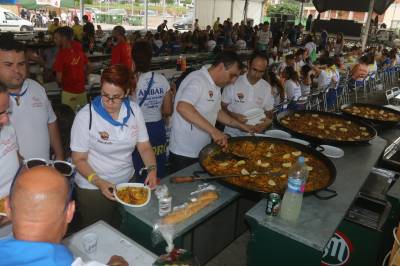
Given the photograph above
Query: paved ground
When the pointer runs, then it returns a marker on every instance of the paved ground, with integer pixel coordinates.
(234, 254)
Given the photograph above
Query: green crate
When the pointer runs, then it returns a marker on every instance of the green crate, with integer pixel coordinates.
(135, 21)
(117, 19)
(108, 19)
(99, 18)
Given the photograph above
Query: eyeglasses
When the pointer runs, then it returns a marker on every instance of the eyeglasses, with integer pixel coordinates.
(113, 99)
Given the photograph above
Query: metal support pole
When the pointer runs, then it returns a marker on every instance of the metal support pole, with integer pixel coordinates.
(146, 9)
(81, 7)
(301, 11)
(232, 5)
(365, 34)
(394, 12)
(163, 12)
(214, 18)
(195, 15)
(246, 5)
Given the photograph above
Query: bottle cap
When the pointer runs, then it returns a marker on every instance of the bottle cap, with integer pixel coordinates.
(301, 160)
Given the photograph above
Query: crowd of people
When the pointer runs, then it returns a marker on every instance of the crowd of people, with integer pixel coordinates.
(120, 135)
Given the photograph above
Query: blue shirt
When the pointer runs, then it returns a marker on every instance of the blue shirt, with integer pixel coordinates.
(18, 252)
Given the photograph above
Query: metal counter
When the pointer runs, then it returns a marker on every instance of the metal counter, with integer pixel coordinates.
(181, 194)
(318, 218)
(205, 234)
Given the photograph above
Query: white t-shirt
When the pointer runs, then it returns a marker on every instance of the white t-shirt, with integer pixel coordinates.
(298, 65)
(338, 48)
(241, 44)
(8, 158)
(324, 79)
(292, 90)
(151, 107)
(264, 37)
(211, 45)
(305, 89)
(30, 119)
(275, 95)
(158, 43)
(9, 166)
(284, 45)
(109, 147)
(200, 90)
(310, 46)
(242, 96)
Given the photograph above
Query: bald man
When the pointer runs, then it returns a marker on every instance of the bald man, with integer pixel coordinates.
(40, 209)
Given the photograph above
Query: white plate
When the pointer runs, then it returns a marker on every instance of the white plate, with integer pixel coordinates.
(123, 185)
(276, 133)
(300, 141)
(332, 151)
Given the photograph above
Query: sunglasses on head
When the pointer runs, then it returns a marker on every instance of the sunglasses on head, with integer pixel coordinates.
(65, 168)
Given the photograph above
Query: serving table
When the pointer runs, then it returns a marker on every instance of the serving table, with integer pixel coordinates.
(110, 242)
(278, 242)
(205, 234)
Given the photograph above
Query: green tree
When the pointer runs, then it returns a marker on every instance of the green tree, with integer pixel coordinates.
(155, 1)
(286, 7)
(188, 2)
(170, 2)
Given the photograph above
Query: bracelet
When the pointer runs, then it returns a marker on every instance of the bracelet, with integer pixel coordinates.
(91, 176)
(151, 168)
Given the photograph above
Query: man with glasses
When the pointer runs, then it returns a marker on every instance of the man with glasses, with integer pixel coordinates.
(9, 162)
(249, 92)
(31, 112)
(71, 67)
(198, 107)
(41, 208)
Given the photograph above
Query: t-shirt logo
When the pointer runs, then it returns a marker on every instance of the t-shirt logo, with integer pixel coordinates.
(210, 96)
(240, 96)
(104, 135)
(75, 61)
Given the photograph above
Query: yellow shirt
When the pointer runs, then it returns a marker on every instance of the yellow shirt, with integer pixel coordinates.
(78, 31)
(52, 28)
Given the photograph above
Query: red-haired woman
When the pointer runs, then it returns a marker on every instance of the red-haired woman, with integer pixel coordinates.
(103, 137)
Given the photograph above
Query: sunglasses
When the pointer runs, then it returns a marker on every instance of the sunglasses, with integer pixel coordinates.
(65, 168)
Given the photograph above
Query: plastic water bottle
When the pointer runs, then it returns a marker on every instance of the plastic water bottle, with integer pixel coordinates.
(293, 198)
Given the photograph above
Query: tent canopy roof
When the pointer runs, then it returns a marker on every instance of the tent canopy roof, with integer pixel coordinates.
(351, 5)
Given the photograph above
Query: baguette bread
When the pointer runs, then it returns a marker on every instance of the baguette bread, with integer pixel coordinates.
(192, 208)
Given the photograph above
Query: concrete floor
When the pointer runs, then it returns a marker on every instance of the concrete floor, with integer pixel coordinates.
(234, 254)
